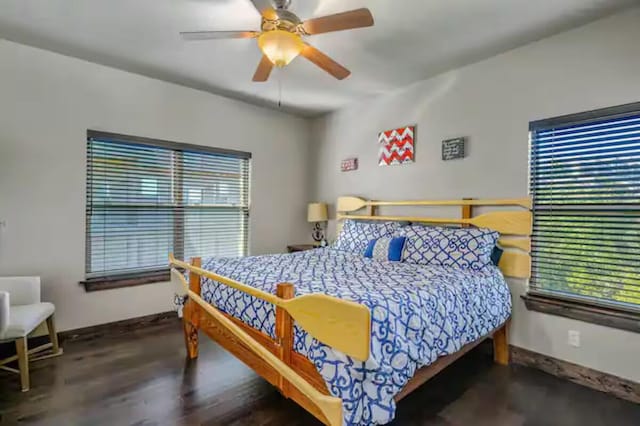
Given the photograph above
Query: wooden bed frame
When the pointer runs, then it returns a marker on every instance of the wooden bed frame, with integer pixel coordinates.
(292, 373)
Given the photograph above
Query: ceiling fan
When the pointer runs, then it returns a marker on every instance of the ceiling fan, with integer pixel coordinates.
(282, 32)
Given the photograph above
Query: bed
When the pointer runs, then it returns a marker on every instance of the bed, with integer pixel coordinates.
(372, 330)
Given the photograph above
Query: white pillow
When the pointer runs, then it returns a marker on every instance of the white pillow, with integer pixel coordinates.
(355, 235)
(468, 248)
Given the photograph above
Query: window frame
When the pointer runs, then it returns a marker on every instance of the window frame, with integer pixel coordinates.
(119, 280)
(581, 309)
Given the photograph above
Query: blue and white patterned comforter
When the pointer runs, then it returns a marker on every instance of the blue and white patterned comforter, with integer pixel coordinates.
(419, 313)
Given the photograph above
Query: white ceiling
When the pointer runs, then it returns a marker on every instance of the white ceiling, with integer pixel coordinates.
(412, 40)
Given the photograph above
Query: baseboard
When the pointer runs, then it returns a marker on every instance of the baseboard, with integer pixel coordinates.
(118, 328)
(111, 329)
(603, 382)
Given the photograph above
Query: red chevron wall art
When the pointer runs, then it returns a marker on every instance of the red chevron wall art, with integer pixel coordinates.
(396, 146)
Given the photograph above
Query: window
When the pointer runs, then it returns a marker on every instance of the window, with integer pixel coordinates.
(148, 198)
(585, 183)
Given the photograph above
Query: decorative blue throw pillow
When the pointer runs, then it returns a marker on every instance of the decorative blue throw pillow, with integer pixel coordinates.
(458, 247)
(386, 248)
(355, 235)
(496, 255)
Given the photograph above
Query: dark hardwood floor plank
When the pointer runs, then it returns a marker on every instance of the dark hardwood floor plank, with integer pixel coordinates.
(143, 378)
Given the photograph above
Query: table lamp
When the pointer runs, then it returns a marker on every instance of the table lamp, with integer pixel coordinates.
(317, 213)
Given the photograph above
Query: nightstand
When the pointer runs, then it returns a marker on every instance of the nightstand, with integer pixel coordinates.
(301, 247)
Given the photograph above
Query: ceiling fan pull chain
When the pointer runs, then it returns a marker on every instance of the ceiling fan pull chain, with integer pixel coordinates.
(280, 87)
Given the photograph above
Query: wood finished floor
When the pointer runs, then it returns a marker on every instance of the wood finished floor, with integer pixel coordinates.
(141, 378)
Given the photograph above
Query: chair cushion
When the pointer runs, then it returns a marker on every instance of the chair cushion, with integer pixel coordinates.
(24, 319)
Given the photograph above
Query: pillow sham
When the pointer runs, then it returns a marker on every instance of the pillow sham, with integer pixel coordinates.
(355, 235)
(386, 248)
(467, 248)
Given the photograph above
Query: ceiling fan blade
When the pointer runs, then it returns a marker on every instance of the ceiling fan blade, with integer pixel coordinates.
(264, 70)
(325, 62)
(341, 21)
(217, 35)
(265, 7)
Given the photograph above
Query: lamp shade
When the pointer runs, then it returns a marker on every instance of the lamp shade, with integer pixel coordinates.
(281, 47)
(317, 212)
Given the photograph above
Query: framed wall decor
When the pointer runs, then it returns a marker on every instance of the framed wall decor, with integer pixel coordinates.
(396, 146)
(453, 149)
(349, 164)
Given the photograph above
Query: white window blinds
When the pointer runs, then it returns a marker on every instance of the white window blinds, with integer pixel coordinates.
(148, 198)
(585, 183)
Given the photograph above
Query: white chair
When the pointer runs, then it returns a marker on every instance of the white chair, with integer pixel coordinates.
(21, 312)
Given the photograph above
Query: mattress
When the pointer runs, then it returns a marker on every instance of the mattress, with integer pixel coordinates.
(419, 313)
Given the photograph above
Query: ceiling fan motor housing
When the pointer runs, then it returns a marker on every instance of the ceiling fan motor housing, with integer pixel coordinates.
(287, 21)
(281, 4)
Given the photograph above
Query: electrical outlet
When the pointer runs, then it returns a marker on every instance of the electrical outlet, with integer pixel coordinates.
(574, 338)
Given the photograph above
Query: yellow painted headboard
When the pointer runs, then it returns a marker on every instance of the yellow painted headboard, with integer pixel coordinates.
(514, 226)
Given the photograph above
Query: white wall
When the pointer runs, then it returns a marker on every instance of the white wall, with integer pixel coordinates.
(47, 103)
(491, 103)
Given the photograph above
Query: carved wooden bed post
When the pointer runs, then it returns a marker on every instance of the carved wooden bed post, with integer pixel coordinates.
(284, 332)
(191, 314)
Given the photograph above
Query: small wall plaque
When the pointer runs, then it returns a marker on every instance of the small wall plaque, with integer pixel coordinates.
(453, 149)
(349, 164)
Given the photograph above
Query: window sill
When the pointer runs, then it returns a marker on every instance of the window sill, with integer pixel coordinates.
(609, 317)
(109, 283)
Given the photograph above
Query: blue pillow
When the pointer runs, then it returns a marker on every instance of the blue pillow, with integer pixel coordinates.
(386, 248)
(355, 235)
(496, 255)
(452, 247)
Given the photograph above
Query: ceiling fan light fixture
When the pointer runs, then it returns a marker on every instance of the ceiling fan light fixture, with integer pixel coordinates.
(281, 47)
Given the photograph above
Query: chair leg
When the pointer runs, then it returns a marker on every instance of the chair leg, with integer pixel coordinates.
(53, 336)
(23, 362)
